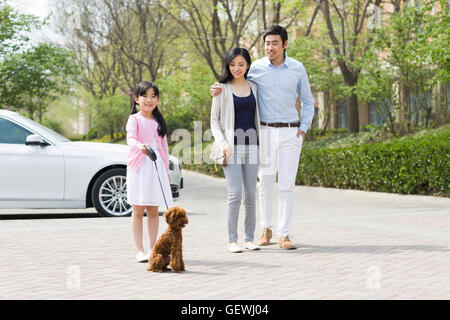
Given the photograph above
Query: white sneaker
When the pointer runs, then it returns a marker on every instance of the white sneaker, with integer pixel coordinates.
(251, 246)
(141, 257)
(233, 247)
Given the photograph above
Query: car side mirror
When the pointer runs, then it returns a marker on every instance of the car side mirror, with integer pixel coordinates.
(35, 140)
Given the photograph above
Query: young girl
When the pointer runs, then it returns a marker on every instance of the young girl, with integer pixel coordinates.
(147, 128)
(235, 125)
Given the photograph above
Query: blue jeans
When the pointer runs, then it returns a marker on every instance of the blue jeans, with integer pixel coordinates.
(241, 175)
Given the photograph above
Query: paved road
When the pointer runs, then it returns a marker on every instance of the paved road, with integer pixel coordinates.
(351, 245)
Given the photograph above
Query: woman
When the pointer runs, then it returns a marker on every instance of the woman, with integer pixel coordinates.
(235, 127)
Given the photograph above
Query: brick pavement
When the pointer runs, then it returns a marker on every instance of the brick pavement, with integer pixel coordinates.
(351, 245)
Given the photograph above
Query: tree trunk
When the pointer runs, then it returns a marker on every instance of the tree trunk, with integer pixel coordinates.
(352, 114)
(351, 79)
(327, 100)
(406, 107)
(131, 102)
(276, 12)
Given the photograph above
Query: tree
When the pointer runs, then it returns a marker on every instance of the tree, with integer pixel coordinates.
(142, 35)
(216, 26)
(31, 79)
(315, 55)
(119, 43)
(411, 49)
(14, 29)
(438, 50)
(377, 84)
(345, 21)
(82, 24)
(110, 115)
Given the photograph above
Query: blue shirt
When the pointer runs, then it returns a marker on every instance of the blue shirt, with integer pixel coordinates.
(244, 117)
(278, 89)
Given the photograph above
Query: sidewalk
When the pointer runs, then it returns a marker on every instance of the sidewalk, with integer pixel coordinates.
(350, 245)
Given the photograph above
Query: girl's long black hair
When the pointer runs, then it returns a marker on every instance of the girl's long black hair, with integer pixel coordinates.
(140, 90)
(226, 73)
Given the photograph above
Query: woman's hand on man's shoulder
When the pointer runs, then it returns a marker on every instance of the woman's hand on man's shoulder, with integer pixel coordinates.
(216, 89)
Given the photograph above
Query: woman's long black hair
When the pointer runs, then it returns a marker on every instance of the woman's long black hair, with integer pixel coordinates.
(140, 90)
(226, 73)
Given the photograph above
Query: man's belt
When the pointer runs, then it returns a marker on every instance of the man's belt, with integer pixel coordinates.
(281, 125)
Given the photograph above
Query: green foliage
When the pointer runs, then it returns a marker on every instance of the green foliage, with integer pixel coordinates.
(319, 65)
(14, 28)
(109, 114)
(415, 164)
(338, 138)
(31, 77)
(438, 36)
(411, 50)
(53, 124)
(117, 137)
(197, 92)
(411, 165)
(185, 97)
(377, 84)
(30, 80)
(177, 112)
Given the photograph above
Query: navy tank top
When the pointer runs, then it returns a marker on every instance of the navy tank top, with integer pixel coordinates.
(244, 119)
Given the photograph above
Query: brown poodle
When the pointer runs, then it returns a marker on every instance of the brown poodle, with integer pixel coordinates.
(168, 247)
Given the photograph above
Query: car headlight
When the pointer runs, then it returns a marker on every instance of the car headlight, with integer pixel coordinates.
(171, 165)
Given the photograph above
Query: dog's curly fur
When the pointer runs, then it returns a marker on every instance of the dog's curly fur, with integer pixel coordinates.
(168, 248)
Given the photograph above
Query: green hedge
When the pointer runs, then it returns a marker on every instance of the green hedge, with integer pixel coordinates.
(412, 165)
(205, 168)
(418, 164)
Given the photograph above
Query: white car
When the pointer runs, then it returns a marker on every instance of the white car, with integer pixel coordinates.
(39, 168)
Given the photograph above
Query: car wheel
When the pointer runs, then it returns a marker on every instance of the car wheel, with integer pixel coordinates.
(109, 194)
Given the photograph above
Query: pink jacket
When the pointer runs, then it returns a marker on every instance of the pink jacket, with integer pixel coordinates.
(140, 131)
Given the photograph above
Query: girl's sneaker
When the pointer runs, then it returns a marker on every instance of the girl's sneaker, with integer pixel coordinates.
(251, 246)
(141, 257)
(233, 247)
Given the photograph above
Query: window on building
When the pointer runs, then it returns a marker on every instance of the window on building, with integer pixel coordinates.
(375, 18)
(375, 116)
(342, 114)
(419, 103)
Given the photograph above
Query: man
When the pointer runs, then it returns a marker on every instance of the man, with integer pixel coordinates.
(280, 81)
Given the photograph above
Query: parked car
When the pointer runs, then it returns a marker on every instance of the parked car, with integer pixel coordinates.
(39, 168)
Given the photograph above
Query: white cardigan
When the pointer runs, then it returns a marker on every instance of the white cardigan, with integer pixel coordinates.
(222, 115)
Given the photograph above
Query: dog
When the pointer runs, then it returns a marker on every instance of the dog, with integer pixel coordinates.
(168, 248)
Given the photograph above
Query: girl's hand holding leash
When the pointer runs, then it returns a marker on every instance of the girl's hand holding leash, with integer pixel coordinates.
(143, 149)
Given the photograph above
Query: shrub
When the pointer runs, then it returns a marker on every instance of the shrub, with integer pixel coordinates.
(417, 164)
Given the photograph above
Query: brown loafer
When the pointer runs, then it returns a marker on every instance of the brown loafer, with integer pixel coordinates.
(285, 243)
(264, 239)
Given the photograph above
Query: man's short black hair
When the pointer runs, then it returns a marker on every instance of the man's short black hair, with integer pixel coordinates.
(275, 29)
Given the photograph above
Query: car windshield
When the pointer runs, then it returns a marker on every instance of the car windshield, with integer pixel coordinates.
(47, 131)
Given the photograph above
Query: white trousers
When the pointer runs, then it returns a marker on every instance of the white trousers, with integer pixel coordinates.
(280, 150)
